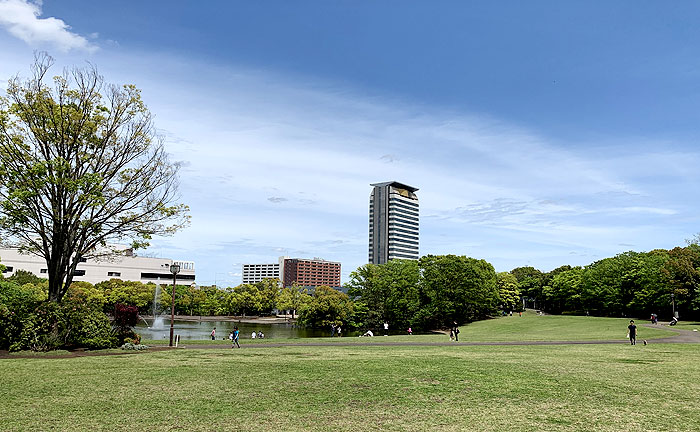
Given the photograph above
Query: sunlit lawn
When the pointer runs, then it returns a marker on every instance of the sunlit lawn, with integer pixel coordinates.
(533, 327)
(360, 388)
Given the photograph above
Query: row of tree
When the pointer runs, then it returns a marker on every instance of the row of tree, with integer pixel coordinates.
(322, 306)
(433, 292)
(628, 284)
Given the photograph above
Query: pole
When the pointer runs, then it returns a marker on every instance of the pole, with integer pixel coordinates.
(172, 310)
(673, 304)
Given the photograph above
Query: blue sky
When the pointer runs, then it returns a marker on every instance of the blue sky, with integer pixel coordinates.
(539, 133)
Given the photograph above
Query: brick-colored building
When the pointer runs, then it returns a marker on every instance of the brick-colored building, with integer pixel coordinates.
(310, 272)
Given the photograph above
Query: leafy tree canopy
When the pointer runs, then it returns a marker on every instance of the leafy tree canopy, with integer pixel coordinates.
(81, 166)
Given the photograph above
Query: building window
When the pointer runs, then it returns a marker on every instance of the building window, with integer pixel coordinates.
(114, 274)
(79, 273)
(44, 270)
(8, 269)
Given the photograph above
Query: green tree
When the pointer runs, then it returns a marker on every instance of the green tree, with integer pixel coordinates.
(132, 293)
(508, 291)
(327, 306)
(455, 289)
(389, 291)
(80, 166)
(268, 289)
(601, 287)
(292, 298)
(564, 290)
(256, 298)
(683, 272)
(531, 283)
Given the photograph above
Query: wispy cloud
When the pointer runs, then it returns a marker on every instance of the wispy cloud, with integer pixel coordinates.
(21, 19)
(278, 165)
(487, 188)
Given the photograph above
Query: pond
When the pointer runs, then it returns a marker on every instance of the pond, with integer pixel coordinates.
(192, 330)
(201, 330)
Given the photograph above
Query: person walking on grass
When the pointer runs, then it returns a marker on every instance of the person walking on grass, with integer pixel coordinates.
(236, 333)
(632, 332)
(456, 331)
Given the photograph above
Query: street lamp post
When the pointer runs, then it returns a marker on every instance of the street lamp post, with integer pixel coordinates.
(673, 304)
(174, 269)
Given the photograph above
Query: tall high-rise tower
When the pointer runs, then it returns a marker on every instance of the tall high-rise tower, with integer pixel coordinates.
(393, 222)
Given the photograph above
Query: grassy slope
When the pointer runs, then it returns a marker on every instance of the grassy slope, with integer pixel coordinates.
(532, 327)
(529, 327)
(362, 388)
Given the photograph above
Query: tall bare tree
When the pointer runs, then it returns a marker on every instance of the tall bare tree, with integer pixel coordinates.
(81, 166)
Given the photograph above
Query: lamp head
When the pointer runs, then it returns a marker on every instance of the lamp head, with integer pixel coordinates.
(174, 268)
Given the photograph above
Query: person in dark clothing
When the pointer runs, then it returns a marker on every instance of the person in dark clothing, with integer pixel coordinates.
(456, 331)
(632, 332)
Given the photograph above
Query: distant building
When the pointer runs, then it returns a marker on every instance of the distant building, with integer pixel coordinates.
(128, 267)
(393, 222)
(310, 272)
(253, 273)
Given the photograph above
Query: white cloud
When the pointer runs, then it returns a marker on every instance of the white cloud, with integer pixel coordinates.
(21, 19)
(277, 165)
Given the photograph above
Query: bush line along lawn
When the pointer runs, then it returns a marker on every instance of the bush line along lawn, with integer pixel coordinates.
(529, 327)
(361, 388)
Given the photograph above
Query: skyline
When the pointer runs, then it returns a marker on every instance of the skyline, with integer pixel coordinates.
(540, 134)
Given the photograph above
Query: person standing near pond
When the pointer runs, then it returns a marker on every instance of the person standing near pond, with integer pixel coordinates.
(632, 329)
(213, 334)
(236, 333)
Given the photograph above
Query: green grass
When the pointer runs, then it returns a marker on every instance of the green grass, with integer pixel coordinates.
(688, 325)
(533, 327)
(360, 388)
(529, 327)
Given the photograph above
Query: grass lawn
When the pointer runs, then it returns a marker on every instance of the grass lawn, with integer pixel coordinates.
(529, 327)
(360, 388)
(533, 327)
(688, 325)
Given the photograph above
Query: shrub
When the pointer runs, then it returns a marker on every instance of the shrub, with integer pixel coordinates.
(87, 326)
(64, 325)
(125, 317)
(16, 304)
(40, 329)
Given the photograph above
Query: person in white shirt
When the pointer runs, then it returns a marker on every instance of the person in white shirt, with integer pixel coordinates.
(252, 335)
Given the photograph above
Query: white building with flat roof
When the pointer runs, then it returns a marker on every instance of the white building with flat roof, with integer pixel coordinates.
(128, 266)
(253, 273)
